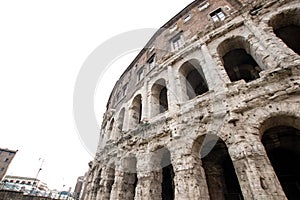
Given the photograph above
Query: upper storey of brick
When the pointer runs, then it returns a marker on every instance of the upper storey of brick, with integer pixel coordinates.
(190, 24)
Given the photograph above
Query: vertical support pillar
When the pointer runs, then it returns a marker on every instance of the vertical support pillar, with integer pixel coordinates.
(255, 172)
(172, 90)
(214, 73)
(149, 179)
(123, 187)
(145, 102)
(106, 183)
(189, 180)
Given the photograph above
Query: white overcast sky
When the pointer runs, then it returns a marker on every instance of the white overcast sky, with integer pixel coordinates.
(43, 45)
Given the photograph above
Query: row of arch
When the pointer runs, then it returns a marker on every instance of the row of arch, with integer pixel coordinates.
(237, 58)
(280, 136)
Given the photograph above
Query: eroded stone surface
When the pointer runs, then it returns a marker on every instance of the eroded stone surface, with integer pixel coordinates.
(194, 138)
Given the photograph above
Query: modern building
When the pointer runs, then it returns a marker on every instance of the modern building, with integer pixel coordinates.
(27, 182)
(78, 187)
(6, 156)
(209, 109)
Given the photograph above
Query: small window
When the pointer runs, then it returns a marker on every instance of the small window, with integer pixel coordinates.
(151, 62)
(217, 15)
(124, 89)
(2, 169)
(187, 18)
(203, 6)
(6, 160)
(177, 42)
(174, 28)
(140, 74)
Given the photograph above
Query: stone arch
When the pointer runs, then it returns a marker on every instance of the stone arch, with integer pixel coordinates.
(286, 26)
(159, 97)
(192, 79)
(136, 111)
(235, 54)
(222, 181)
(280, 135)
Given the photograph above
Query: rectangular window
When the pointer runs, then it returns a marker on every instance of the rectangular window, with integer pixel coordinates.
(177, 42)
(151, 62)
(140, 74)
(187, 18)
(217, 15)
(203, 6)
(2, 169)
(174, 28)
(6, 160)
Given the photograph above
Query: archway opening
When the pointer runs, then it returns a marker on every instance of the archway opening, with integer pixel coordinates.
(220, 174)
(282, 144)
(286, 26)
(290, 36)
(137, 109)
(159, 93)
(167, 185)
(237, 60)
(163, 100)
(193, 77)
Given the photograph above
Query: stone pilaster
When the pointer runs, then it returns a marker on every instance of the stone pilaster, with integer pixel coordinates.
(172, 90)
(105, 183)
(124, 185)
(255, 173)
(190, 181)
(149, 179)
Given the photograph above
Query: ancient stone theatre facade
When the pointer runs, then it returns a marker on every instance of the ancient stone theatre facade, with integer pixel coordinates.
(209, 109)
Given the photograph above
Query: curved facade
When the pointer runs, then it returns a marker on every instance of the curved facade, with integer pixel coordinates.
(209, 109)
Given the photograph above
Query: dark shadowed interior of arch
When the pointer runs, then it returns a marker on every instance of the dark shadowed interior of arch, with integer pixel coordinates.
(290, 36)
(282, 144)
(195, 81)
(163, 100)
(220, 174)
(137, 109)
(110, 179)
(168, 187)
(240, 65)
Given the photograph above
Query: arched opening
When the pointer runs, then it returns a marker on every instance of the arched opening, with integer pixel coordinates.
(193, 80)
(286, 26)
(167, 185)
(221, 178)
(282, 144)
(136, 110)
(159, 97)
(237, 60)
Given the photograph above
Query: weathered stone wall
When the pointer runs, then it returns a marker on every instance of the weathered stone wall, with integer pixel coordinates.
(210, 145)
(12, 195)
